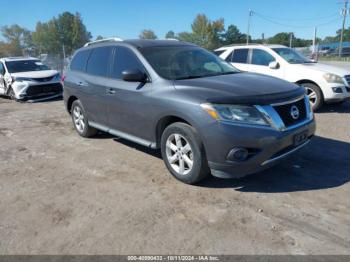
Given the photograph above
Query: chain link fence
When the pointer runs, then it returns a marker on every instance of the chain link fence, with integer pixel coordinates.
(55, 61)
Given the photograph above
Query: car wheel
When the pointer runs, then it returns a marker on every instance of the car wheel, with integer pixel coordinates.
(315, 95)
(183, 153)
(80, 120)
(11, 94)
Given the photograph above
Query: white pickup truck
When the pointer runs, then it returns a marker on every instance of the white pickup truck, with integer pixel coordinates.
(324, 83)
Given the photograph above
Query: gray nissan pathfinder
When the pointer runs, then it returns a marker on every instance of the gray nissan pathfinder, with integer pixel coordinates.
(205, 115)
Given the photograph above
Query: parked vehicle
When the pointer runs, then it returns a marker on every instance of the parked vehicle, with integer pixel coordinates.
(345, 52)
(24, 78)
(324, 83)
(205, 115)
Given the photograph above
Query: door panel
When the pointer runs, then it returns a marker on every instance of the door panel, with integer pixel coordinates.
(128, 102)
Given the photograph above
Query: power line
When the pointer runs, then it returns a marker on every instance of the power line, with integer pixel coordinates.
(300, 19)
(293, 26)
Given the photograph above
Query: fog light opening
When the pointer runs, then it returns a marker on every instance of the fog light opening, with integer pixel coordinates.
(338, 90)
(238, 154)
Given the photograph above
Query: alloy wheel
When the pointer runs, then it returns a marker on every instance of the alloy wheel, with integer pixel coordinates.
(179, 154)
(78, 118)
(312, 96)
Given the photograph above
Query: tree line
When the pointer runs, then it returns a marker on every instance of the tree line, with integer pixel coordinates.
(65, 33)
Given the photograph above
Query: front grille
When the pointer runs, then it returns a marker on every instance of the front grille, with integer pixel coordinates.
(44, 89)
(285, 114)
(347, 78)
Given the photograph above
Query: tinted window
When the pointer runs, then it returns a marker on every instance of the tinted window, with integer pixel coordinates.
(125, 59)
(219, 52)
(261, 57)
(229, 57)
(240, 56)
(99, 60)
(2, 69)
(25, 66)
(79, 60)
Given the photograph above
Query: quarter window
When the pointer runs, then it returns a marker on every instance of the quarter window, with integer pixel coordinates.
(99, 60)
(261, 57)
(240, 56)
(125, 59)
(2, 69)
(79, 61)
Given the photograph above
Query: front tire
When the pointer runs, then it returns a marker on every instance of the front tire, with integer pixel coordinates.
(80, 120)
(183, 153)
(315, 95)
(11, 94)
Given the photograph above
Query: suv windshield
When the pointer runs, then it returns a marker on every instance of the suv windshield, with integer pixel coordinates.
(185, 62)
(25, 66)
(291, 56)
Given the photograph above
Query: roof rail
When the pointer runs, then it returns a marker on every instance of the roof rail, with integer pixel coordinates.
(112, 39)
(172, 39)
(242, 44)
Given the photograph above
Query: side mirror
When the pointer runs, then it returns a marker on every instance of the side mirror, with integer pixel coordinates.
(274, 65)
(134, 76)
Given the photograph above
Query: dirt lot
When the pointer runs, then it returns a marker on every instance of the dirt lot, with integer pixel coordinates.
(60, 193)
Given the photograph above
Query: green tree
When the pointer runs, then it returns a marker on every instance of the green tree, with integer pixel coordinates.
(205, 33)
(66, 31)
(170, 34)
(233, 36)
(99, 37)
(147, 34)
(19, 39)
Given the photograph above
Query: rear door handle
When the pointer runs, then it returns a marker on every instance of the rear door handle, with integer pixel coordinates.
(111, 91)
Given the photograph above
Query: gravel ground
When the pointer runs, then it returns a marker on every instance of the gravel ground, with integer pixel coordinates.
(62, 194)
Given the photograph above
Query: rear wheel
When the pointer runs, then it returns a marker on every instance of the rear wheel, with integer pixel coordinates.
(80, 120)
(183, 153)
(315, 95)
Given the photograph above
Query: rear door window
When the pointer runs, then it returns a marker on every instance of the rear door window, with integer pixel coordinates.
(125, 59)
(240, 56)
(99, 61)
(79, 60)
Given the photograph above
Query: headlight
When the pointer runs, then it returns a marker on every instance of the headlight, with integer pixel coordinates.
(57, 77)
(21, 79)
(235, 113)
(332, 78)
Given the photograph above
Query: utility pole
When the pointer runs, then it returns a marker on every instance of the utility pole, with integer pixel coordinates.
(290, 40)
(315, 51)
(248, 29)
(344, 13)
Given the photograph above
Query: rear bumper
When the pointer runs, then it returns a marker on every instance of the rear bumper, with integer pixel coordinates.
(269, 147)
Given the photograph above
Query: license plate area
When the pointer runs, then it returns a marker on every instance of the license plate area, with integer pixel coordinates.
(300, 138)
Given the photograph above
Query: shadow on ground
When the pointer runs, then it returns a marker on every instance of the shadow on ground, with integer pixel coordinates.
(335, 108)
(324, 163)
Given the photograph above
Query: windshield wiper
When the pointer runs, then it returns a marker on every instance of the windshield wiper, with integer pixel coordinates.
(188, 77)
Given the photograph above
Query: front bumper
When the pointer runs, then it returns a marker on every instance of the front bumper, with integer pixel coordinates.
(269, 147)
(335, 92)
(33, 90)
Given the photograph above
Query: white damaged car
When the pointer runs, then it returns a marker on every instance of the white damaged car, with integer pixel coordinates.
(23, 78)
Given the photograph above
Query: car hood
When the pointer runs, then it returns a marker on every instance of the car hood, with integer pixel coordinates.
(36, 74)
(240, 88)
(323, 68)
